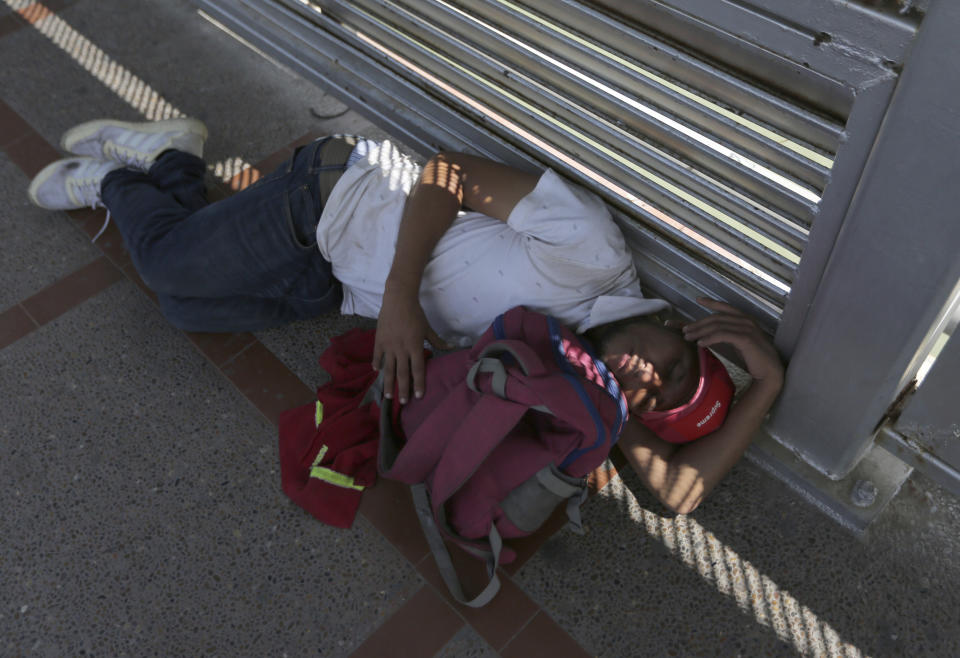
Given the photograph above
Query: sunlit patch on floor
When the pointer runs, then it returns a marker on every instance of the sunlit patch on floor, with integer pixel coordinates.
(237, 173)
(755, 593)
(118, 79)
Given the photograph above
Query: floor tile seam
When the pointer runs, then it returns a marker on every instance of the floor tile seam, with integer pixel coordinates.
(75, 226)
(412, 603)
(221, 366)
(254, 342)
(125, 269)
(456, 611)
(503, 576)
(395, 546)
(520, 630)
(78, 227)
(36, 325)
(7, 337)
(130, 271)
(29, 132)
(560, 632)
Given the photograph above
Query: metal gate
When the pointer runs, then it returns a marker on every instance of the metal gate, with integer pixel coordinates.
(747, 148)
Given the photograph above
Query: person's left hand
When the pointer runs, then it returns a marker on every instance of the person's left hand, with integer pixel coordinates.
(732, 326)
(398, 347)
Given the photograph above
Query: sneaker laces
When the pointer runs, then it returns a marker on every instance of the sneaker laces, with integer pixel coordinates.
(88, 190)
(104, 227)
(127, 155)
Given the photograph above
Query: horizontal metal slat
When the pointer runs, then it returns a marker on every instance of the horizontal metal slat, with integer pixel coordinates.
(865, 32)
(653, 255)
(315, 45)
(690, 142)
(716, 82)
(596, 59)
(453, 36)
(514, 77)
(690, 145)
(785, 56)
(706, 150)
(767, 265)
(723, 198)
(670, 176)
(338, 58)
(687, 186)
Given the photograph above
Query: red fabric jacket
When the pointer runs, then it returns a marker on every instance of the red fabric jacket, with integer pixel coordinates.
(328, 449)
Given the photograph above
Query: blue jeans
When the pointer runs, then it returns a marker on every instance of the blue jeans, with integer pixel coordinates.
(244, 263)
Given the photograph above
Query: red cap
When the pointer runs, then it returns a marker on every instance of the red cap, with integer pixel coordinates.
(706, 410)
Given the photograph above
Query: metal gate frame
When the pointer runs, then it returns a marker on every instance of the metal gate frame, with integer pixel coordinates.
(927, 432)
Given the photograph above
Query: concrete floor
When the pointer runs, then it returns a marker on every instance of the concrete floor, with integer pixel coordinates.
(141, 512)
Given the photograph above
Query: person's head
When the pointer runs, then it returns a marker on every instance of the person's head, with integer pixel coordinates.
(678, 390)
(657, 369)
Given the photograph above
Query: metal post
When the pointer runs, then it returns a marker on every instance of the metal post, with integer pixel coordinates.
(893, 268)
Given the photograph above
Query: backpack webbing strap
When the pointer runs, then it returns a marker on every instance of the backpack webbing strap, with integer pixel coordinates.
(574, 519)
(575, 494)
(498, 380)
(495, 367)
(526, 357)
(442, 556)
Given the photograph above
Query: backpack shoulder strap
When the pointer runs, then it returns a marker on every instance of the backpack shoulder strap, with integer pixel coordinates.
(484, 427)
(479, 432)
(442, 556)
(481, 429)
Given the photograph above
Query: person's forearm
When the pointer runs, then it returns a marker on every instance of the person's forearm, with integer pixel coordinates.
(430, 209)
(681, 476)
(697, 467)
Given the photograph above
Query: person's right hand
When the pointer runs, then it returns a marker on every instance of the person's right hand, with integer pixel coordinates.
(729, 325)
(398, 349)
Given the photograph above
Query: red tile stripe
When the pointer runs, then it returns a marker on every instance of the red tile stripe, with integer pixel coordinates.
(220, 348)
(70, 291)
(265, 381)
(543, 638)
(31, 153)
(498, 622)
(14, 325)
(425, 623)
(12, 125)
(110, 241)
(389, 508)
(420, 628)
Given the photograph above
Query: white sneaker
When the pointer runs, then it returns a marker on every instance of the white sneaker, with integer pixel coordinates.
(70, 183)
(135, 144)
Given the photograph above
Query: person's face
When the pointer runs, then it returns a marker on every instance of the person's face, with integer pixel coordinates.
(656, 368)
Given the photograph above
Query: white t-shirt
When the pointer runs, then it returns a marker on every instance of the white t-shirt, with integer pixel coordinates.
(559, 253)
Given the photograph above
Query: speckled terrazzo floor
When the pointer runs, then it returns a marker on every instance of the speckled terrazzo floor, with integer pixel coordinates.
(141, 512)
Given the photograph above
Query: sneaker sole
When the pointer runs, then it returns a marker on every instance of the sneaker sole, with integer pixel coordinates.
(86, 130)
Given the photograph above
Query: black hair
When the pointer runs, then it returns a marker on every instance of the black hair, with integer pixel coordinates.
(601, 335)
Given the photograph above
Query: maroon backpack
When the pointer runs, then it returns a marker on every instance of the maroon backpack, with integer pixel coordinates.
(506, 431)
